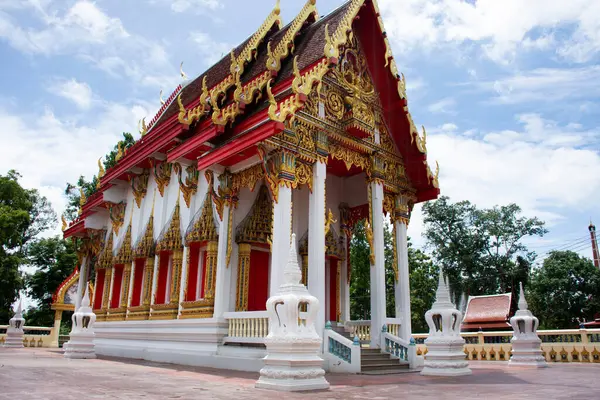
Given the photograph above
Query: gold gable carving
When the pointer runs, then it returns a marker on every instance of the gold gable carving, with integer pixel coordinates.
(144, 248)
(203, 227)
(170, 239)
(124, 255)
(257, 226)
(105, 258)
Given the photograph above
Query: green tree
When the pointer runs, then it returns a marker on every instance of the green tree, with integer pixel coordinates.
(55, 259)
(481, 251)
(423, 284)
(360, 289)
(23, 215)
(564, 290)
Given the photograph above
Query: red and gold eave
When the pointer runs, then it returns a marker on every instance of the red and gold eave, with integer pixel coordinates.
(175, 140)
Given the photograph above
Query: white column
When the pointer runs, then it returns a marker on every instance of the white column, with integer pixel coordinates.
(82, 281)
(316, 242)
(155, 278)
(131, 282)
(182, 278)
(282, 223)
(402, 286)
(378, 270)
(223, 279)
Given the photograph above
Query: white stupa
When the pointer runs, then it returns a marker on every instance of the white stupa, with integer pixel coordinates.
(14, 333)
(81, 338)
(445, 356)
(526, 345)
(292, 362)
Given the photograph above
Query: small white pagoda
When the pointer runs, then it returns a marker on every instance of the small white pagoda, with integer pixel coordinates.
(14, 333)
(81, 338)
(293, 344)
(445, 356)
(526, 344)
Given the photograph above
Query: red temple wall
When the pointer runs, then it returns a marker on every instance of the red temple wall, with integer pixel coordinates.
(192, 278)
(117, 282)
(138, 279)
(163, 274)
(258, 285)
(99, 292)
(202, 281)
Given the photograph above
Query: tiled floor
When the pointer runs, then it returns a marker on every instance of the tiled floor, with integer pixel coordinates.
(45, 374)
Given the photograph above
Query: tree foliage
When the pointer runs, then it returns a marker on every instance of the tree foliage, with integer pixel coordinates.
(481, 250)
(55, 259)
(564, 290)
(423, 278)
(23, 214)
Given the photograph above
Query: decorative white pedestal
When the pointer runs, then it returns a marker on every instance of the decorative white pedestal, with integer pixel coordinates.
(526, 345)
(81, 338)
(14, 333)
(292, 362)
(445, 356)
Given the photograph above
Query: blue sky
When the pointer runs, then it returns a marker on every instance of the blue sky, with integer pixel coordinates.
(508, 91)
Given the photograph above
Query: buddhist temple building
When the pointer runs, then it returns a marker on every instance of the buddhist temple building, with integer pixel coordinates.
(488, 313)
(303, 128)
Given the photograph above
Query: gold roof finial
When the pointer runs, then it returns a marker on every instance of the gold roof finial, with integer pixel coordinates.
(82, 198)
(120, 151)
(183, 74)
(330, 220)
(142, 127)
(277, 8)
(64, 223)
(162, 101)
(101, 170)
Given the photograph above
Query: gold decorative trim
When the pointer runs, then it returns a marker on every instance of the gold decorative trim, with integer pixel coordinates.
(204, 227)
(243, 278)
(139, 186)
(256, 227)
(162, 176)
(189, 187)
(117, 215)
(170, 240)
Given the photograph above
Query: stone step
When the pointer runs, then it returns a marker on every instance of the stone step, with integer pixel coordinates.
(366, 350)
(386, 371)
(374, 356)
(389, 361)
(384, 367)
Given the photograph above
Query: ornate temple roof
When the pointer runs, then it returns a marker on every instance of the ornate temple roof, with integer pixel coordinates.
(487, 312)
(250, 95)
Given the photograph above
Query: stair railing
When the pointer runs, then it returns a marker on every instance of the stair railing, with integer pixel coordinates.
(342, 354)
(399, 348)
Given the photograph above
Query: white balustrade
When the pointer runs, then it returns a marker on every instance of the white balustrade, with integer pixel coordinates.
(35, 336)
(360, 328)
(247, 327)
(561, 345)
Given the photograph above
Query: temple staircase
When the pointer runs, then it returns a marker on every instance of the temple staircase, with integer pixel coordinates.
(373, 361)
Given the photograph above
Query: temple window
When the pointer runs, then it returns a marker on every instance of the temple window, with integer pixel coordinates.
(99, 291)
(138, 282)
(164, 278)
(117, 284)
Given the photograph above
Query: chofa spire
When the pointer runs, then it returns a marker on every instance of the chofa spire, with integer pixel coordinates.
(522, 301)
(292, 274)
(442, 294)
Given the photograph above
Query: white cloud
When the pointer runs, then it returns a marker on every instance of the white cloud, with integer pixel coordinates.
(87, 32)
(211, 50)
(198, 5)
(500, 28)
(49, 151)
(443, 106)
(545, 85)
(537, 167)
(79, 93)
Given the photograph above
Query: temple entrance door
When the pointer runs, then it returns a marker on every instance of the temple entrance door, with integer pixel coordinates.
(258, 282)
(331, 289)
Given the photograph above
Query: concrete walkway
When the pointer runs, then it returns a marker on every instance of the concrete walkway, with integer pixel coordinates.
(45, 374)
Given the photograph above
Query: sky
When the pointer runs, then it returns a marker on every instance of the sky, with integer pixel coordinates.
(508, 91)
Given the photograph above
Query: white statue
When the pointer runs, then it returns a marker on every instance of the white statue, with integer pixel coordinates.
(81, 338)
(526, 345)
(445, 356)
(293, 344)
(14, 333)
